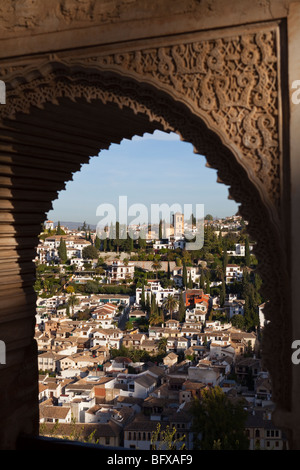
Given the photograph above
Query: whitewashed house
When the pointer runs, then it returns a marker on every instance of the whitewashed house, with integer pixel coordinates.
(107, 337)
(234, 273)
(239, 250)
(119, 271)
(155, 288)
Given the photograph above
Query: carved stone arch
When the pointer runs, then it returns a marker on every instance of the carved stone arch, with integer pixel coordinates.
(38, 95)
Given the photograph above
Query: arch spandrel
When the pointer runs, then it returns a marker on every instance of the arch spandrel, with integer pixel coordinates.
(230, 79)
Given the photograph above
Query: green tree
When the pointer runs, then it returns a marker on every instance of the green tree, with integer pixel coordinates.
(190, 282)
(193, 220)
(166, 440)
(181, 309)
(155, 317)
(143, 299)
(225, 258)
(90, 252)
(219, 272)
(252, 300)
(62, 251)
(142, 239)
(184, 274)
(162, 346)
(247, 252)
(160, 234)
(202, 279)
(148, 304)
(223, 293)
(170, 303)
(169, 271)
(207, 282)
(219, 421)
(128, 325)
(156, 266)
(117, 243)
(91, 287)
(238, 321)
(97, 242)
(58, 229)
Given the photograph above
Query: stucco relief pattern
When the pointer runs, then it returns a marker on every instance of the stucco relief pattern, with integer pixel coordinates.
(232, 82)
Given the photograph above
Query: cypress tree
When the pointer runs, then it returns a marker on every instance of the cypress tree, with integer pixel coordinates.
(143, 301)
(169, 270)
(225, 258)
(131, 247)
(202, 279)
(184, 275)
(58, 228)
(207, 284)
(62, 251)
(148, 304)
(97, 242)
(160, 235)
(223, 293)
(190, 283)
(105, 244)
(181, 309)
(117, 236)
(247, 252)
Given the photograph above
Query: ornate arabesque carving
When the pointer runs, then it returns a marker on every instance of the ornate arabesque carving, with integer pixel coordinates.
(231, 82)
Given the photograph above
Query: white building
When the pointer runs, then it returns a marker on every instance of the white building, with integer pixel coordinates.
(236, 307)
(105, 314)
(74, 245)
(163, 244)
(234, 272)
(239, 250)
(107, 337)
(262, 318)
(178, 224)
(192, 272)
(49, 225)
(155, 288)
(197, 314)
(119, 271)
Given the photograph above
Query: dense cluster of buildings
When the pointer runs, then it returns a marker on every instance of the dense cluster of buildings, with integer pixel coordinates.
(104, 381)
(120, 400)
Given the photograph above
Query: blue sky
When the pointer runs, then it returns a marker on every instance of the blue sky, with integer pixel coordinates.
(155, 169)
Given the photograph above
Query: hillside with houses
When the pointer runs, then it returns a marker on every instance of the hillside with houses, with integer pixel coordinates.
(131, 333)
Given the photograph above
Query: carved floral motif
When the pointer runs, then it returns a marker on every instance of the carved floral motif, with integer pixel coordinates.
(231, 82)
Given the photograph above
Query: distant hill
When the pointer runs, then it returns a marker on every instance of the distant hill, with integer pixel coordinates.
(74, 225)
